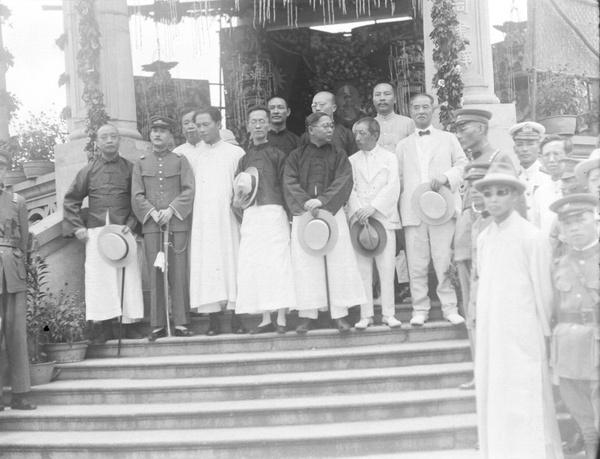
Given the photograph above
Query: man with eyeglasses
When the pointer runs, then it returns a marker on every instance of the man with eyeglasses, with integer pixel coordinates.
(215, 237)
(279, 137)
(265, 280)
(342, 137)
(515, 407)
(554, 149)
(435, 157)
(318, 175)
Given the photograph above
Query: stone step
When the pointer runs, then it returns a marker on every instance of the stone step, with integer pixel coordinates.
(277, 385)
(457, 431)
(440, 454)
(246, 363)
(314, 339)
(242, 413)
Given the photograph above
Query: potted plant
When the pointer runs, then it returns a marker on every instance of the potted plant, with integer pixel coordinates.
(40, 370)
(560, 100)
(67, 327)
(14, 174)
(33, 147)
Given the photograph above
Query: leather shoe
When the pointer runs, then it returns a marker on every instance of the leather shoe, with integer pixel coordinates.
(131, 332)
(184, 333)
(237, 327)
(467, 386)
(305, 325)
(575, 445)
(281, 329)
(214, 326)
(341, 325)
(157, 334)
(263, 329)
(363, 324)
(20, 404)
(418, 320)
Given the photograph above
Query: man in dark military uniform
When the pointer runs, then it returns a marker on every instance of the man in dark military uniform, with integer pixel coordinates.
(14, 235)
(576, 338)
(162, 199)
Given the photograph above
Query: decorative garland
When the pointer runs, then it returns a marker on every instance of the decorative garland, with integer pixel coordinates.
(7, 98)
(88, 70)
(447, 47)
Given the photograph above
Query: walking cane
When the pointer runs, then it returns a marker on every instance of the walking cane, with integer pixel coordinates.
(122, 308)
(166, 275)
(327, 290)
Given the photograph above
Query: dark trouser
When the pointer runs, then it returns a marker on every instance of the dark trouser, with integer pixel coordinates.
(178, 279)
(582, 398)
(464, 276)
(13, 310)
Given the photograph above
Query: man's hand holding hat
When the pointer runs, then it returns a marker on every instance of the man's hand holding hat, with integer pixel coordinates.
(363, 214)
(312, 206)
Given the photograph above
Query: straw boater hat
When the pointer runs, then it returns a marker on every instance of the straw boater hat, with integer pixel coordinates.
(317, 236)
(369, 240)
(246, 185)
(527, 130)
(117, 247)
(574, 204)
(500, 174)
(584, 167)
(433, 207)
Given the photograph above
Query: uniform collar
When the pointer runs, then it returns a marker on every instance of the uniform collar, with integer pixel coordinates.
(114, 160)
(387, 117)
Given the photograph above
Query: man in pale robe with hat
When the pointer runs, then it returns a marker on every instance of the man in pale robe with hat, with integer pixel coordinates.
(265, 277)
(434, 157)
(106, 182)
(515, 407)
(215, 238)
(318, 175)
(375, 194)
(588, 172)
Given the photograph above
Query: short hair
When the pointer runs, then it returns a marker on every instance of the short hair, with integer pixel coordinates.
(186, 111)
(389, 84)
(278, 97)
(109, 125)
(257, 108)
(422, 94)
(213, 112)
(371, 123)
(566, 141)
(314, 117)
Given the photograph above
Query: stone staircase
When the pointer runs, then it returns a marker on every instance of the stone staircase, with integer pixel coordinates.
(377, 393)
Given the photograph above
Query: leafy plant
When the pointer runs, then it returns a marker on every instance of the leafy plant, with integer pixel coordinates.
(560, 93)
(65, 317)
(38, 135)
(37, 291)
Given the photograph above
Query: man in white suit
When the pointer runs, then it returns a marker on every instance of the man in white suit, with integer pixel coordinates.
(435, 157)
(375, 194)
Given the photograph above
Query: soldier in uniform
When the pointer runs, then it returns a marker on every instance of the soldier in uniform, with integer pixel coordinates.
(576, 338)
(14, 234)
(162, 199)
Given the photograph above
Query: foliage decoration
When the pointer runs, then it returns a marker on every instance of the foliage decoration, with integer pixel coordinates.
(88, 70)
(62, 41)
(5, 13)
(11, 102)
(63, 79)
(37, 291)
(7, 57)
(447, 48)
(65, 317)
(560, 93)
(38, 135)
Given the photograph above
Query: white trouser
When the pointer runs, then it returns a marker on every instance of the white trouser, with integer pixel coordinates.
(336, 312)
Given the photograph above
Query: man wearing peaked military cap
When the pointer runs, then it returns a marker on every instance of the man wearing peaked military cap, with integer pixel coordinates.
(14, 234)
(163, 122)
(527, 137)
(574, 356)
(514, 307)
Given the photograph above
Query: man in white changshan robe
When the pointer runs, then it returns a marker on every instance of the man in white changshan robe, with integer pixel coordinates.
(215, 238)
(515, 408)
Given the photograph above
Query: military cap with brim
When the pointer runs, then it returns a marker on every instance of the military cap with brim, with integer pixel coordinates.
(317, 235)
(369, 240)
(433, 207)
(466, 115)
(528, 130)
(117, 246)
(584, 167)
(163, 122)
(500, 174)
(574, 204)
(476, 170)
(245, 186)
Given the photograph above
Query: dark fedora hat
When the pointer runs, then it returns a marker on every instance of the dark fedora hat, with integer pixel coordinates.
(369, 239)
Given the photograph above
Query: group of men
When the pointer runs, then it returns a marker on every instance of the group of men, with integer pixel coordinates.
(524, 240)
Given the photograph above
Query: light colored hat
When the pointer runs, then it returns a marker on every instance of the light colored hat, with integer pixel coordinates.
(584, 167)
(117, 246)
(527, 130)
(369, 240)
(317, 236)
(574, 204)
(433, 207)
(500, 173)
(246, 185)
(228, 136)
